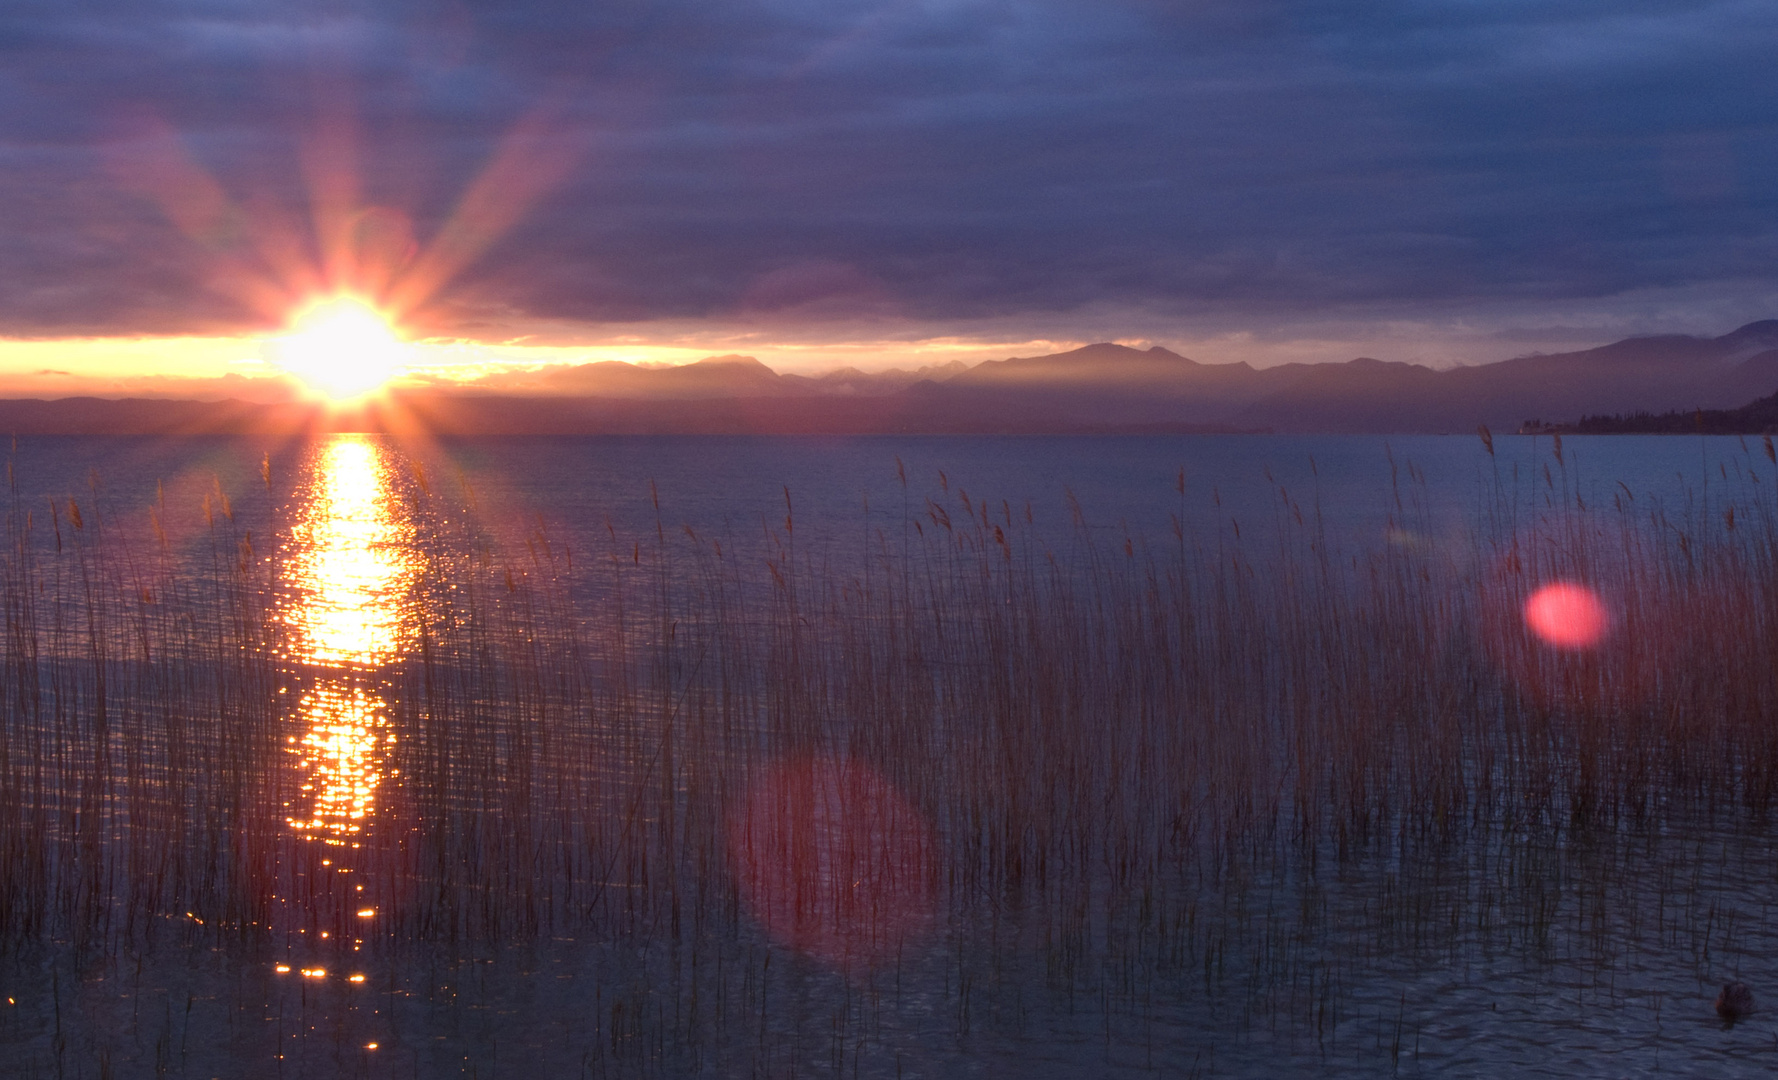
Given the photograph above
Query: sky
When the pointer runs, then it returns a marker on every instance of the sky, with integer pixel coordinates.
(820, 183)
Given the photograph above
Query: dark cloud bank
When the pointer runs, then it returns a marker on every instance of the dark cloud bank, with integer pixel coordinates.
(1229, 165)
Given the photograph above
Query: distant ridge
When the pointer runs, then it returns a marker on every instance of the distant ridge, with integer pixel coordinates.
(153, 416)
(1108, 383)
(730, 376)
(1100, 388)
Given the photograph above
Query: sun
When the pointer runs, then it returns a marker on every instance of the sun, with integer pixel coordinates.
(342, 348)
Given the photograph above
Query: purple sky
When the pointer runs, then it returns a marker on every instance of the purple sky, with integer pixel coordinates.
(1260, 180)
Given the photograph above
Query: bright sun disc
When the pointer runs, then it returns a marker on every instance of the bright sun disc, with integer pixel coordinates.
(342, 348)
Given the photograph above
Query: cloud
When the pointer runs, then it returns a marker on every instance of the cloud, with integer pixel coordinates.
(1194, 168)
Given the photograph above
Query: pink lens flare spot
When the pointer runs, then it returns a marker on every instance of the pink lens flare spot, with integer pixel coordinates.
(833, 861)
(1567, 616)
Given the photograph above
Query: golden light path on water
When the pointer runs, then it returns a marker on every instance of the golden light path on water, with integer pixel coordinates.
(348, 573)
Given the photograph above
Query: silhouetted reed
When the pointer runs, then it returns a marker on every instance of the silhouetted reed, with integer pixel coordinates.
(1115, 762)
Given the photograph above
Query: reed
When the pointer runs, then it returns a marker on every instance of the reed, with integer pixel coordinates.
(1003, 760)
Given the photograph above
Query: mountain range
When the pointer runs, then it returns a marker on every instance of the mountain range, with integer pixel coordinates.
(1098, 388)
(1109, 386)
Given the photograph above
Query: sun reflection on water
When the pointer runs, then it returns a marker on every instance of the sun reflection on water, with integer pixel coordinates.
(349, 562)
(342, 751)
(349, 573)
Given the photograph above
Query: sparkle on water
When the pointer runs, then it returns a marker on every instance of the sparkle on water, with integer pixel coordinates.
(348, 572)
(349, 562)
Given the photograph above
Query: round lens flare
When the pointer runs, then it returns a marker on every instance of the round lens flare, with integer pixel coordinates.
(1567, 616)
(342, 348)
(833, 861)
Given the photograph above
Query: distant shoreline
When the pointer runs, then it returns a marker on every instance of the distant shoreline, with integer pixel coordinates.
(1755, 418)
(496, 416)
(468, 416)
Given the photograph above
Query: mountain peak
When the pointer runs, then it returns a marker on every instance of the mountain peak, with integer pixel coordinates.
(728, 360)
(1762, 332)
(1109, 350)
(1100, 354)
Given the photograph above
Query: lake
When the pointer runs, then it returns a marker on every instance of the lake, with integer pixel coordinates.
(1197, 755)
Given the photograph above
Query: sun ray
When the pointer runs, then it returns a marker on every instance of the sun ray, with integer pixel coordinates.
(532, 159)
(260, 254)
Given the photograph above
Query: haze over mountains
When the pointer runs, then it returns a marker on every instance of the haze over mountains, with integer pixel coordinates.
(1102, 387)
(1108, 386)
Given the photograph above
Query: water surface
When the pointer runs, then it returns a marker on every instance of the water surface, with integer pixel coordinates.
(475, 727)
